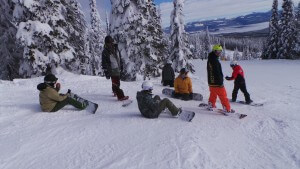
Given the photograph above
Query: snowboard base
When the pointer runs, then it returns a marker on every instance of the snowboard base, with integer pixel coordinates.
(90, 106)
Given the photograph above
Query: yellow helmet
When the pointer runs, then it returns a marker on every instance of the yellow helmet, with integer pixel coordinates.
(217, 48)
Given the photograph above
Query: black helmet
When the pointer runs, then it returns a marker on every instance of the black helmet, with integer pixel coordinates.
(50, 78)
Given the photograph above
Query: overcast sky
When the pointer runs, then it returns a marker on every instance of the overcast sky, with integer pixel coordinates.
(195, 10)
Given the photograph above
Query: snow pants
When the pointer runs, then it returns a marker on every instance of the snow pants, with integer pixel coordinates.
(243, 88)
(115, 80)
(166, 103)
(221, 93)
(68, 101)
(183, 96)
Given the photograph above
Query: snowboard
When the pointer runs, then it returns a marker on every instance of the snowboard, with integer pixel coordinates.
(170, 93)
(126, 103)
(90, 106)
(186, 115)
(222, 111)
(251, 104)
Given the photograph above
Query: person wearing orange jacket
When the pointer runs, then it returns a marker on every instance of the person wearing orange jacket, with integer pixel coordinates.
(183, 86)
(239, 82)
(215, 80)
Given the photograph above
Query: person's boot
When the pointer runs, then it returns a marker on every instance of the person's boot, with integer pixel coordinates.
(249, 101)
(124, 98)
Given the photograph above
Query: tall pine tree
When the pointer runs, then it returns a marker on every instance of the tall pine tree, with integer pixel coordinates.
(96, 39)
(297, 20)
(10, 51)
(207, 44)
(272, 47)
(135, 26)
(180, 51)
(287, 41)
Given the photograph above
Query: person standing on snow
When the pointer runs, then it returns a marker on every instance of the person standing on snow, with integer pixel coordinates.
(168, 74)
(183, 86)
(51, 100)
(112, 66)
(239, 82)
(215, 79)
(151, 107)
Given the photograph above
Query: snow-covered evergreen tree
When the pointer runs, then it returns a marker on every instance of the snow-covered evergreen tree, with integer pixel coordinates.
(297, 20)
(207, 44)
(10, 51)
(180, 51)
(96, 39)
(287, 41)
(236, 55)
(135, 26)
(41, 31)
(272, 47)
(76, 29)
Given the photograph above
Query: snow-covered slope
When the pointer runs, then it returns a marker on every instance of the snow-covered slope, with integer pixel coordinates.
(119, 138)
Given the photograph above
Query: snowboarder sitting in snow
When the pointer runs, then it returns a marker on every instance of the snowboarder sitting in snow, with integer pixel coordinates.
(51, 100)
(112, 66)
(215, 79)
(239, 82)
(183, 86)
(152, 107)
(168, 74)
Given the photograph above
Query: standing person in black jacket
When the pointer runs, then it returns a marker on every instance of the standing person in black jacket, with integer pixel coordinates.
(112, 66)
(215, 79)
(168, 74)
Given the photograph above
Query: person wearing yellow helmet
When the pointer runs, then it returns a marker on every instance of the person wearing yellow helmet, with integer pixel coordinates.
(215, 79)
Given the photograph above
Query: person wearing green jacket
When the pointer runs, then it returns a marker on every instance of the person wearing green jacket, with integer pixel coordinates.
(151, 107)
(51, 100)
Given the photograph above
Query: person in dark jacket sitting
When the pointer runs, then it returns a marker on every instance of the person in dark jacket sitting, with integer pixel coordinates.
(168, 74)
(152, 107)
(51, 100)
(239, 82)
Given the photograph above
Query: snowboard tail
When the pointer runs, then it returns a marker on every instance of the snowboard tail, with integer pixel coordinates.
(90, 106)
(170, 93)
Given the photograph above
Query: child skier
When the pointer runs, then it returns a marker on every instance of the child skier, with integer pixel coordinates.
(152, 107)
(239, 82)
(51, 100)
(168, 74)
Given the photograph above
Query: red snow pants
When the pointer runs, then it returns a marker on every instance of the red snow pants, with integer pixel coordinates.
(221, 92)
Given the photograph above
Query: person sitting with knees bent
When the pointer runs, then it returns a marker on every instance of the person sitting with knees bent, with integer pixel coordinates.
(183, 86)
(151, 107)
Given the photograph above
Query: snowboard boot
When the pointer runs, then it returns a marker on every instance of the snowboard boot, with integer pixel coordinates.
(249, 101)
(124, 98)
(210, 106)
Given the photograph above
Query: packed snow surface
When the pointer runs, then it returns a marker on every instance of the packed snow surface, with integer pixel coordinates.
(118, 137)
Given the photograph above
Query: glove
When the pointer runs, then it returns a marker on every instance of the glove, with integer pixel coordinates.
(227, 78)
(107, 75)
(57, 86)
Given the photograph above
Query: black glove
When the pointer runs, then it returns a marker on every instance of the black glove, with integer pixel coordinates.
(107, 74)
(227, 78)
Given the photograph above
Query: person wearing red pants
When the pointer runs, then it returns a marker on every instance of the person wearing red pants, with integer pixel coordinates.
(112, 66)
(215, 79)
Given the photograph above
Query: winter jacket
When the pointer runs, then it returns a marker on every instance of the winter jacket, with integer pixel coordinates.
(147, 105)
(111, 61)
(168, 73)
(238, 75)
(49, 97)
(214, 71)
(183, 86)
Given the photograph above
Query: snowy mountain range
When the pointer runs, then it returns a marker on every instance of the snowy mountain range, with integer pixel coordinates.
(257, 21)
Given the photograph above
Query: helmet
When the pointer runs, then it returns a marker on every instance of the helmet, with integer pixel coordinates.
(233, 63)
(169, 61)
(147, 85)
(50, 78)
(217, 48)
